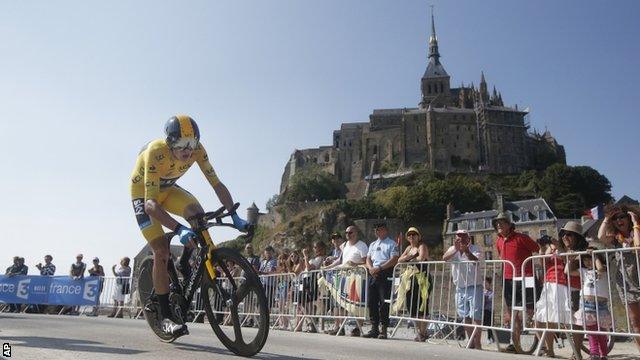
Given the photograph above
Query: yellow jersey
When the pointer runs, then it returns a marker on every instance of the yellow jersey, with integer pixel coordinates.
(157, 170)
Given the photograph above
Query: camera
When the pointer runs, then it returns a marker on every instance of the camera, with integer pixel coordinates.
(544, 240)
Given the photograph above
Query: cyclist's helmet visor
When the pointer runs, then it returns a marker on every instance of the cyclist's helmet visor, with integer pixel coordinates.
(185, 144)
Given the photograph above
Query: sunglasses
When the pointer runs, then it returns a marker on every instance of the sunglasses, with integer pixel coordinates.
(185, 143)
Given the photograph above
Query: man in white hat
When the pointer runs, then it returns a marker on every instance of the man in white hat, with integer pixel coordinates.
(467, 276)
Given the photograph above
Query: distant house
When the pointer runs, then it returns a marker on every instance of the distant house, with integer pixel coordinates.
(532, 217)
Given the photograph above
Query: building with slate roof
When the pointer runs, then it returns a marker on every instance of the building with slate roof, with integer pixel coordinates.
(532, 217)
(464, 129)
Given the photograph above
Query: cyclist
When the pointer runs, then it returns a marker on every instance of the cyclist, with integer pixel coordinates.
(154, 195)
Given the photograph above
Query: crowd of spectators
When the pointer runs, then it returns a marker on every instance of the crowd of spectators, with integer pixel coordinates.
(570, 291)
(77, 271)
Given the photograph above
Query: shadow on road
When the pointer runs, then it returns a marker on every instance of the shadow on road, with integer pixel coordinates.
(224, 351)
(622, 357)
(66, 344)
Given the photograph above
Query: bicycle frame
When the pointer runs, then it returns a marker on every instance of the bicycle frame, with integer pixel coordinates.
(204, 255)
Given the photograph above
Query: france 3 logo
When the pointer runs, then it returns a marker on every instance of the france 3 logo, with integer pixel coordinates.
(91, 290)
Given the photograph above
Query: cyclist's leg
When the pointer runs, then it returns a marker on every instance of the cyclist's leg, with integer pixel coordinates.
(161, 255)
(182, 203)
(154, 234)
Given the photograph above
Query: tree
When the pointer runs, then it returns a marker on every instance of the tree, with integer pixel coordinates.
(571, 190)
(273, 201)
(314, 184)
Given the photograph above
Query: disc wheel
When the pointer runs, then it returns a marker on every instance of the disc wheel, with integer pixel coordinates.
(236, 306)
(150, 305)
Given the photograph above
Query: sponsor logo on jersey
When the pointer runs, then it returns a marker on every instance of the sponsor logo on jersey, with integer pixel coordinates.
(142, 218)
(165, 183)
(138, 206)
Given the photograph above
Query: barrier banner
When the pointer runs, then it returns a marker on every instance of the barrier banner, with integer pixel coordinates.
(348, 289)
(49, 290)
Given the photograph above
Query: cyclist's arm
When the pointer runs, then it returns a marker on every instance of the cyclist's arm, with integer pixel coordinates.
(224, 195)
(207, 169)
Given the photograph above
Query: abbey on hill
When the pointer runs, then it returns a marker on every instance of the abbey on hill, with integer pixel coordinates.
(461, 130)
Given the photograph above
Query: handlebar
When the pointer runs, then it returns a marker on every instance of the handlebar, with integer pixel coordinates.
(218, 214)
(217, 217)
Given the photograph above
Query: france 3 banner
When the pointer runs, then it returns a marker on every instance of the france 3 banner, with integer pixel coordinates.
(50, 290)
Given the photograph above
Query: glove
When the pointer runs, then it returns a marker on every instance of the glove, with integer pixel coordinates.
(184, 234)
(239, 223)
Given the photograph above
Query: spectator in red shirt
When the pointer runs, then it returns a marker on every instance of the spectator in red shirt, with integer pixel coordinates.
(515, 247)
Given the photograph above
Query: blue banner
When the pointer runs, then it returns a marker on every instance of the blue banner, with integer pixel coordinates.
(50, 290)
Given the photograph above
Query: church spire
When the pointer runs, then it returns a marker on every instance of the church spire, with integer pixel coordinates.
(434, 55)
(435, 81)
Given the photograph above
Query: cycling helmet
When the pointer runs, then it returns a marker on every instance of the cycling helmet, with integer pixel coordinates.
(182, 132)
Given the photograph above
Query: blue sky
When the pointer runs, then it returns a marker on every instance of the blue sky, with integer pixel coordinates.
(85, 84)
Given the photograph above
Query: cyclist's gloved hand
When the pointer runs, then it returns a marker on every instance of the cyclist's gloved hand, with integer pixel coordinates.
(184, 234)
(239, 223)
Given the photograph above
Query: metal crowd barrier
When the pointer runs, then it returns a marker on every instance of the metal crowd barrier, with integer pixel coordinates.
(112, 288)
(561, 305)
(424, 293)
(338, 294)
(310, 298)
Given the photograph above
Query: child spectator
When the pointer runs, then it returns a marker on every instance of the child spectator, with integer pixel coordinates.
(594, 311)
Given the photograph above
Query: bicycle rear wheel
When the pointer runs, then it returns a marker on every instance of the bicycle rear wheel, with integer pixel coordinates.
(150, 306)
(238, 301)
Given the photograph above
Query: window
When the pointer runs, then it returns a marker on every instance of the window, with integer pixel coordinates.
(463, 225)
(524, 216)
(488, 255)
(375, 149)
(542, 215)
(488, 240)
(543, 232)
(472, 225)
(487, 223)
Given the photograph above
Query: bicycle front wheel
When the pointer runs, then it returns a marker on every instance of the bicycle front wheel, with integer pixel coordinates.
(150, 306)
(236, 306)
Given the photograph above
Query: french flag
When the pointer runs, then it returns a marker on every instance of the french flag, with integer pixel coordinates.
(595, 213)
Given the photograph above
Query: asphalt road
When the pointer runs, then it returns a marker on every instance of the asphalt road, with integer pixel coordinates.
(77, 337)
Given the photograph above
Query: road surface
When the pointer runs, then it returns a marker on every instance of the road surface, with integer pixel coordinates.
(77, 337)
